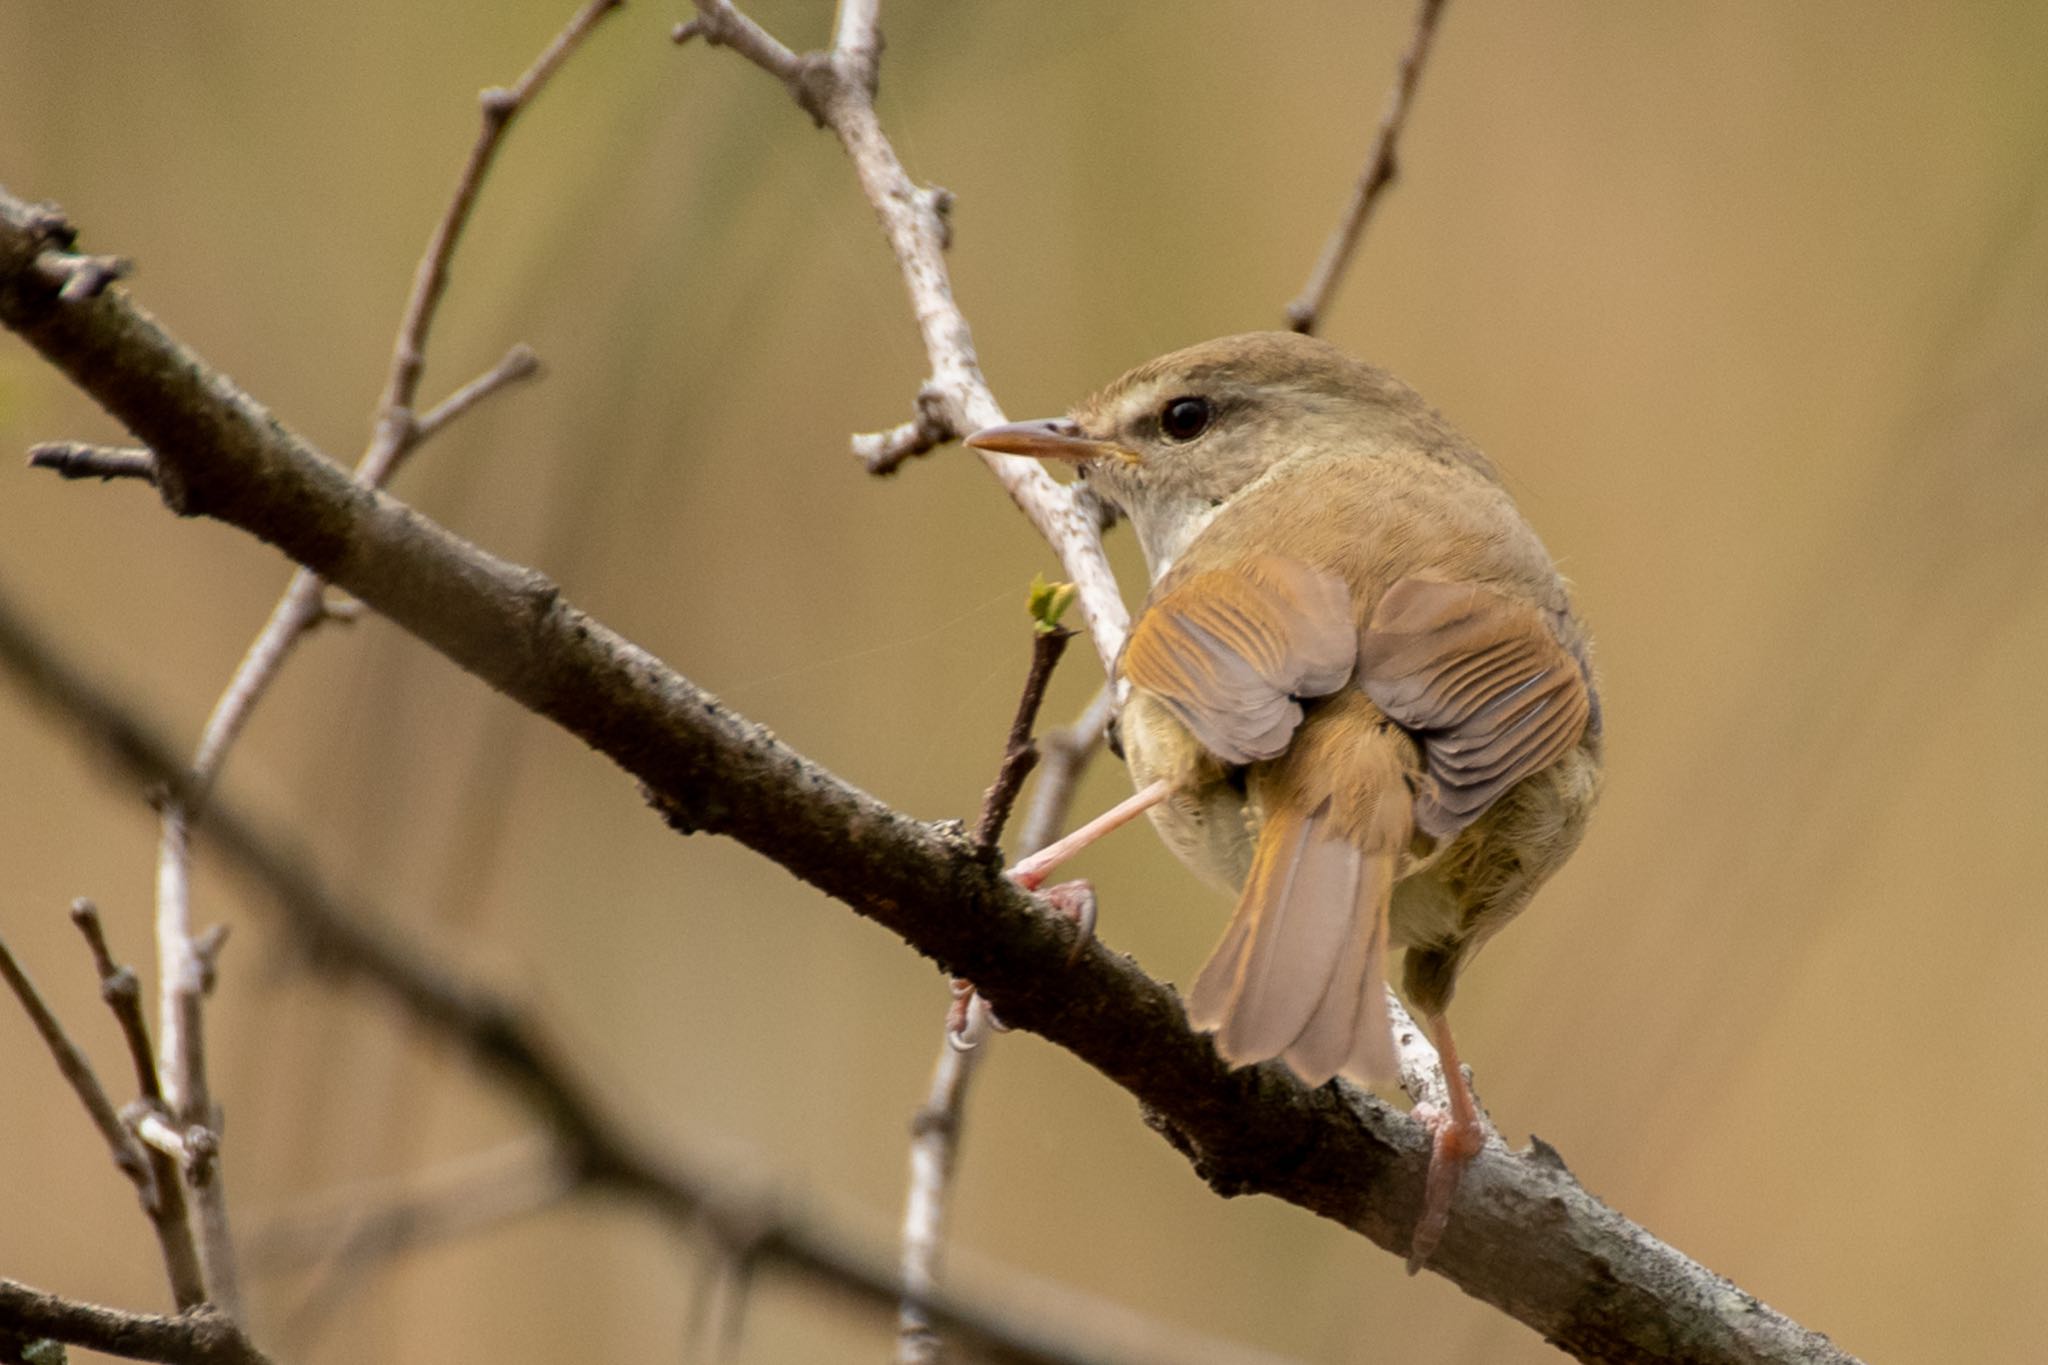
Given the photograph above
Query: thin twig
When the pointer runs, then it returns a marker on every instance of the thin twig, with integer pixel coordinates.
(165, 1200)
(1063, 757)
(520, 363)
(181, 1044)
(80, 277)
(201, 1335)
(78, 1073)
(397, 433)
(84, 460)
(931, 426)
(934, 1150)
(1020, 755)
(935, 1130)
(1306, 312)
(837, 88)
(123, 994)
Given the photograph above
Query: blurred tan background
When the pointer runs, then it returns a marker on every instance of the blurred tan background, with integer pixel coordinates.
(1750, 301)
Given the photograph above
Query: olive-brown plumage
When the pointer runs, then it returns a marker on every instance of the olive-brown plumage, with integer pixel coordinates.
(1358, 688)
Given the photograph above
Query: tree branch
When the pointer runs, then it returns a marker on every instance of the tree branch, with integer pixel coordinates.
(198, 1336)
(1381, 167)
(837, 88)
(1525, 1235)
(78, 1073)
(165, 1199)
(84, 460)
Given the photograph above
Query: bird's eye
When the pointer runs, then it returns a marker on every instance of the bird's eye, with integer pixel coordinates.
(1183, 419)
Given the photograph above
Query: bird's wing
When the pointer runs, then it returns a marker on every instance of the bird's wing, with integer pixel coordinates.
(1482, 680)
(1228, 651)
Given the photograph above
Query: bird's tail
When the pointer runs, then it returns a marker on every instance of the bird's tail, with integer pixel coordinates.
(1301, 972)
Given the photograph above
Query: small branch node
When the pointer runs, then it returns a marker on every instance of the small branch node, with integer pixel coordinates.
(497, 103)
(207, 948)
(931, 426)
(148, 1123)
(938, 202)
(79, 277)
(202, 1150)
(51, 226)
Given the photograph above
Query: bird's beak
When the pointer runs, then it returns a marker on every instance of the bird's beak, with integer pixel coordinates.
(1050, 438)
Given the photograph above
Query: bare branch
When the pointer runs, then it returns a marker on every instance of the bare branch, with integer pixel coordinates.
(1064, 755)
(200, 1335)
(181, 1042)
(720, 25)
(1306, 312)
(83, 460)
(1020, 755)
(184, 970)
(520, 363)
(164, 1200)
(883, 452)
(123, 994)
(80, 277)
(1525, 1235)
(934, 1150)
(837, 89)
(935, 1131)
(78, 1073)
(396, 430)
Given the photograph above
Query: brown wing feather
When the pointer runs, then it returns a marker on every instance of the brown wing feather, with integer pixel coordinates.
(1484, 682)
(1228, 651)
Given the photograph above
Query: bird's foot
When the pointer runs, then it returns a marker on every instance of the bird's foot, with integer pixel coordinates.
(1452, 1146)
(971, 1019)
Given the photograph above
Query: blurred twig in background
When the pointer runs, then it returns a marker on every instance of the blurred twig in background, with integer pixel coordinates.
(1382, 165)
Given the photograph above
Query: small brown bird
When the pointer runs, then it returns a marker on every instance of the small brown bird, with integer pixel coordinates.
(1359, 695)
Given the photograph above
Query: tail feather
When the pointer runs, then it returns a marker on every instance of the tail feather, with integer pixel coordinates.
(1350, 1031)
(1302, 968)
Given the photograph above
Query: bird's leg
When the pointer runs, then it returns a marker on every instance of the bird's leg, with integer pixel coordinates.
(1032, 871)
(971, 1018)
(1455, 1138)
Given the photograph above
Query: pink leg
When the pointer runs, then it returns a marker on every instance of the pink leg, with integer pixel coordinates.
(1455, 1138)
(1032, 871)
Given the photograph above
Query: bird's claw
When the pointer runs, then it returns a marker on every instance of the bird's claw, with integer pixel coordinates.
(969, 1019)
(1076, 901)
